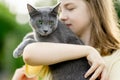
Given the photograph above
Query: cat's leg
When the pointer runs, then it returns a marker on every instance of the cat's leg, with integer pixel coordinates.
(19, 50)
(29, 35)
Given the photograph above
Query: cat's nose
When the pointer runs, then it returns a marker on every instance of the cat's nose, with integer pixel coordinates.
(45, 31)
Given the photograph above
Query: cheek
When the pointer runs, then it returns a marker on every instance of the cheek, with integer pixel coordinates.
(80, 23)
(82, 17)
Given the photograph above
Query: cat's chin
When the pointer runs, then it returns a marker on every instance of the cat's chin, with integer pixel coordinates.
(44, 34)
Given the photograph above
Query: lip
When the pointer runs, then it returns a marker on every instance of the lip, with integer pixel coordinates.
(68, 25)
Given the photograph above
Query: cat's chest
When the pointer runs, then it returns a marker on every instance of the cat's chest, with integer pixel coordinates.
(50, 38)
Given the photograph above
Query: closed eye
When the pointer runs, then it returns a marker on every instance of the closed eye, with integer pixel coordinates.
(70, 9)
(70, 6)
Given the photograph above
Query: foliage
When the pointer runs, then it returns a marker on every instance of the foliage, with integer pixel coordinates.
(11, 34)
(117, 7)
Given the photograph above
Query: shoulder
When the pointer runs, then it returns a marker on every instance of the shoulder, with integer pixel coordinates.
(115, 56)
(115, 71)
(113, 65)
(111, 59)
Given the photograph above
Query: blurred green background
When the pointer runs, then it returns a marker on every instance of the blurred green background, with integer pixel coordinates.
(13, 27)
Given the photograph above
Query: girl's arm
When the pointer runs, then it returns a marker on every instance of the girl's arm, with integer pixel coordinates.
(50, 53)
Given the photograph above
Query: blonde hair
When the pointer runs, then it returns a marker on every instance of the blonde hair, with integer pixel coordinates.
(104, 29)
(104, 35)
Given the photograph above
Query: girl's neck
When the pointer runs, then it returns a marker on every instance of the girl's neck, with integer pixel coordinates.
(85, 37)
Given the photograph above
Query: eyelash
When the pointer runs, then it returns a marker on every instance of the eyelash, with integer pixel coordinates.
(70, 9)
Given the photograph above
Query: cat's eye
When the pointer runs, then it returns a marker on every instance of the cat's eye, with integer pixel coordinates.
(51, 22)
(40, 22)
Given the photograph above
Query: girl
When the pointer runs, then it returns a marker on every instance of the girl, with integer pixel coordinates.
(95, 22)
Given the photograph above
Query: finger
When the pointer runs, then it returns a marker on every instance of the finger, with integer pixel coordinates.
(97, 73)
(91, 70)
(19, 73)
(104, 75)
(33, 78)
(89, 63)
(23, 67)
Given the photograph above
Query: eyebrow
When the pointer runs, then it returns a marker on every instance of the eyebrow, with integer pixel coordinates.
(67, 4)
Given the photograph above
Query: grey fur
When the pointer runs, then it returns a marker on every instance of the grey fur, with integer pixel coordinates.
(54, 31)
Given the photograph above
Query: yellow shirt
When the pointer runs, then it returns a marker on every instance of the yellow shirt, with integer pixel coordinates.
(113, 65)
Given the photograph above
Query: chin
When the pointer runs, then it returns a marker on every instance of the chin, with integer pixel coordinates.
(45, 34)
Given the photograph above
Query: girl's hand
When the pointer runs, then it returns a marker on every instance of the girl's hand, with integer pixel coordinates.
(20, 75)
(98, 68)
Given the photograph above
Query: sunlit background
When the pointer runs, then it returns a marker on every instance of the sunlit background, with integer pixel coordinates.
(18, 7)
(14, 25)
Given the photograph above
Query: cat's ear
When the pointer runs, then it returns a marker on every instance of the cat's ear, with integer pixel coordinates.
(55, 9)
(32, 11)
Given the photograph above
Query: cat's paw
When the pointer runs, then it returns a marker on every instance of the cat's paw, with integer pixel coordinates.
(17, 53)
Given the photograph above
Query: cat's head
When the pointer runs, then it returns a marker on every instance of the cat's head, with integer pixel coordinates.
(44, 19)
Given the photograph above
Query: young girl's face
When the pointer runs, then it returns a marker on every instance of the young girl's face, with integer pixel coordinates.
(75, 14)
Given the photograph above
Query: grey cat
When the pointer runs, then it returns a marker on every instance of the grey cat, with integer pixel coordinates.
(47, 28)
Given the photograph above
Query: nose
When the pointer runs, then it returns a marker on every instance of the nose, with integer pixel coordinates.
(45, 31)
(63, 16)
